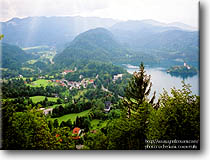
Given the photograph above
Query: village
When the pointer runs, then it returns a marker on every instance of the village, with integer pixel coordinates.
(75, 85)
(78, 84)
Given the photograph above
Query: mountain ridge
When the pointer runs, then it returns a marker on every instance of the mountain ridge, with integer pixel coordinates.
(59, 30)
(52, 31)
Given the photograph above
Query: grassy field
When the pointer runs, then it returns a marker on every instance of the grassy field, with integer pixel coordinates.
(3, 69)
(55, 105)
(97, 124)
(29, 69)
(71, 116)
(32, 61)
(41, 82)
(37, 99)
(80, 93)
(35, 47)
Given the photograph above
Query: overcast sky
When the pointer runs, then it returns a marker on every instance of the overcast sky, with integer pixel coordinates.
(167, 11)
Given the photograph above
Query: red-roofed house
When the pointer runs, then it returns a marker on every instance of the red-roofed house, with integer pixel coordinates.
(76, 133)
(91, 81)
(62, 84)
(67, 71)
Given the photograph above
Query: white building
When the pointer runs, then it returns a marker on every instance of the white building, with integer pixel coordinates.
(46, 111)
(116, 77)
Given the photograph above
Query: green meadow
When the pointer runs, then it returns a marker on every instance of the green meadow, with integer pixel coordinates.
(71, 116)
(97, 124)
(41, 83)
(37, 99)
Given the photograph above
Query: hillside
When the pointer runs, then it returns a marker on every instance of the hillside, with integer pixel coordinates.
(95, 44)
(13, 56)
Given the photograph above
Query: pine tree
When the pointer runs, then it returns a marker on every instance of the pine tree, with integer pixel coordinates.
(137, 91)
(129, 132)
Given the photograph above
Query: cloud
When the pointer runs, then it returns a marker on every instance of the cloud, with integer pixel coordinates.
(167, 11)
(6, 10)
(163, 10)
(24, 8)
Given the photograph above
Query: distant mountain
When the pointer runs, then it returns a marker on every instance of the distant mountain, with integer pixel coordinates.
(95, 44)
(52, 31)
(182, 26)
(173, 40)
(133, 33)
(124, 41)
(165, 41)
(13, 56)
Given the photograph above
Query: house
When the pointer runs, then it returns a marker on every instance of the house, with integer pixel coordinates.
(76, 133)
(79, 146)
(46, 111)
(80, 76)
(55, 95)
(116, 77)
(41, 77)
(186, 65)
(107, 106)
(93, 131)
(63, 84)
(91, 81)
(67, 71)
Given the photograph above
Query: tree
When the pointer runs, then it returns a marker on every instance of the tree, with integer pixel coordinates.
(96, 141)
(69, 123)
(64, 139)
(28, 130)
(137, 91)
(59, 101)
(56, 124)
(178, 116)
(63, 124)
(50, 125)
(129, 132)
(114, 114)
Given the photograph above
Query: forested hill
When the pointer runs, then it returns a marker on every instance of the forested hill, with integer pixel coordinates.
(95, 44)
(13, 56)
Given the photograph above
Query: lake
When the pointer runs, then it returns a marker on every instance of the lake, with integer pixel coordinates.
(161, 79)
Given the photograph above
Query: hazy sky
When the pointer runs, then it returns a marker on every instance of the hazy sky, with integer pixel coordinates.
(185, 11)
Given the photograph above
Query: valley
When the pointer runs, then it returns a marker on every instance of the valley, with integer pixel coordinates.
(93, 78)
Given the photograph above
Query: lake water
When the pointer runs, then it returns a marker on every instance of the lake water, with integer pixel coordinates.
(161, 79)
